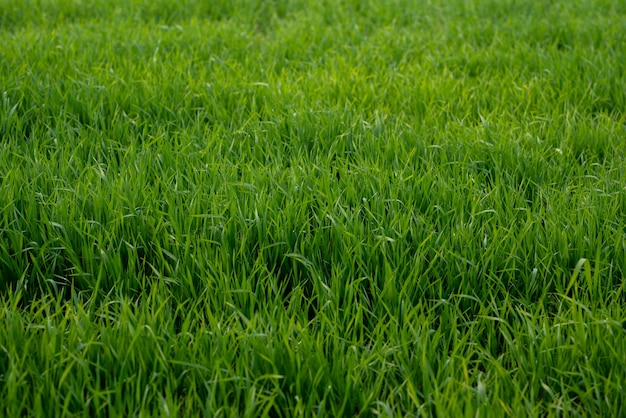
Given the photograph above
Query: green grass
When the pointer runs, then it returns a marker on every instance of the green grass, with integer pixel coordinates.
(298, 208)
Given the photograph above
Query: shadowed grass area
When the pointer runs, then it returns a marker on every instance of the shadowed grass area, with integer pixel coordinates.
(296, 208)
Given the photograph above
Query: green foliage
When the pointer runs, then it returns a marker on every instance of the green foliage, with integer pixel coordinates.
(297, 208)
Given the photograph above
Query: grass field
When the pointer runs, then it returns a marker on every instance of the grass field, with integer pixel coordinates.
(298, 208)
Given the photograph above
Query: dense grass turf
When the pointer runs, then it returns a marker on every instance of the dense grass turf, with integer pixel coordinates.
(291, 208)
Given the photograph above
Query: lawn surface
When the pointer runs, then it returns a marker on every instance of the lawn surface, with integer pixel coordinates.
(298, 208)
